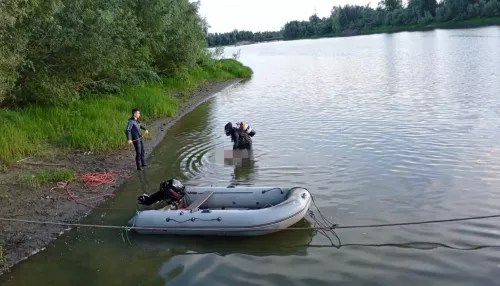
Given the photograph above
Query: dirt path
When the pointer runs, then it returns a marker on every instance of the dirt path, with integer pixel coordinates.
(22, 240)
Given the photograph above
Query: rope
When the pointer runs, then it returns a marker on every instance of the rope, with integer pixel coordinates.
(149, 228)
(71, 195)
(249, 228)
(129, 145)
(91, 180)
(417, 222)
(127, 229)
(142, 136)
(98, 179)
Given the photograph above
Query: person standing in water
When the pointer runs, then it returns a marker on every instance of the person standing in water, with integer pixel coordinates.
(241, 135)
(134, 136)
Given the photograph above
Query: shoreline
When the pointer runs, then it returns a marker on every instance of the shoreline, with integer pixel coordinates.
(22, 240)
(450, 25)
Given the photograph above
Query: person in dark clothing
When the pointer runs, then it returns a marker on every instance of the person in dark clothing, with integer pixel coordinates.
(134, 136)
(240, 135)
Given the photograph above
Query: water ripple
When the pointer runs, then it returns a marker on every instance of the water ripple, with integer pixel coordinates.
(411, 144)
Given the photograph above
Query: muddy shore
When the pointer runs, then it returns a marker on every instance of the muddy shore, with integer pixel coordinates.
(22, 240)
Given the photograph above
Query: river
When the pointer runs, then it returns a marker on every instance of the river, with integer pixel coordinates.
(381, 129)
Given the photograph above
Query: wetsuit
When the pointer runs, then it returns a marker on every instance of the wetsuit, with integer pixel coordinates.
(133, 133)
(241, 139)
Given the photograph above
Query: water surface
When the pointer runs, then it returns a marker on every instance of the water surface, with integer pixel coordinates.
(381, 129)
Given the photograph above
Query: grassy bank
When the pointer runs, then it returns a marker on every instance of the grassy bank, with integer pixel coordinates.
(3, 261)
(43, 177)
(98, 122)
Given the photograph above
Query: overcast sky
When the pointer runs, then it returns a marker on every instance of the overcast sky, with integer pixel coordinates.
(265, 15)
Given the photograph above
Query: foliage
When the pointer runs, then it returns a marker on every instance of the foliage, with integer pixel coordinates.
(54, 52)
(97, 122)
(40, 178)
(3, 260)
(236, 55)
(71, 71)
(305, 29)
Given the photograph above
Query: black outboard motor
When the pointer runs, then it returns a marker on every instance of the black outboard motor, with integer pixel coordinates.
(173, 191)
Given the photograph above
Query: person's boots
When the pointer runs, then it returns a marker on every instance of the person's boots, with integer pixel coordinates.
(143, 164)
(138, 166)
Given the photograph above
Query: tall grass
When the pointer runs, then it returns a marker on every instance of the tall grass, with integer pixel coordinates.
(40, 178)
(3, 259)
(98, 122)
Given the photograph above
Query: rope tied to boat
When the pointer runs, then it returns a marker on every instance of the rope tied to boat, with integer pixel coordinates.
(89, 181)
(127, 229)
(330, 227)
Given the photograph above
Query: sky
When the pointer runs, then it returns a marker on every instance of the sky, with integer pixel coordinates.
(265, 15)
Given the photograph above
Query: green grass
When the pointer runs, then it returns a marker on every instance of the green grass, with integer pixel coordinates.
(98, 122)
(38, 179)
(3, 260)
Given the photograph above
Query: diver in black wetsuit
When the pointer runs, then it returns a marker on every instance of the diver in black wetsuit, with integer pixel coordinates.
(134, 130)
(240, 135)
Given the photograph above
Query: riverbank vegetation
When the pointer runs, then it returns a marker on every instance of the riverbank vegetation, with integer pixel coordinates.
(40, 178)
(71, 71)
(3, 261)
(389, 16)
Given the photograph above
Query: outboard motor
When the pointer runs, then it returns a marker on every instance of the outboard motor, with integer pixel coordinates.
(173, 191)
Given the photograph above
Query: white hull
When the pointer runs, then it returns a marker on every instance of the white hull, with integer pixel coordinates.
(240, 211)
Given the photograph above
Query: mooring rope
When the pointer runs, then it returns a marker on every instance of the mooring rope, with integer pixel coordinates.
(330, 227)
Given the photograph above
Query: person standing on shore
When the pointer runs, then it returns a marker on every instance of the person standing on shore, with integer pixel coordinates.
(134, 136)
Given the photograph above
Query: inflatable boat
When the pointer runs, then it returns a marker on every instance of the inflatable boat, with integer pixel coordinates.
(227, 211)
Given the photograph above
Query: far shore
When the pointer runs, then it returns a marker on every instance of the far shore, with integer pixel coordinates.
(466, 24)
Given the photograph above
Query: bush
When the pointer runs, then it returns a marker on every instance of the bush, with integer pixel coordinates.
(491, 8)
(40, 178)
(53, 52)
(98, 121)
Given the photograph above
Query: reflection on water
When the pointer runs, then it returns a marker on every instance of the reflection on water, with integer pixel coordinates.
(292, 242)
(244, 166)
(145, 183)
(380, 129)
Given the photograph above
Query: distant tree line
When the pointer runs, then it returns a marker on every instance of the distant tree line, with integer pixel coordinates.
(225, 39)
(354, 19)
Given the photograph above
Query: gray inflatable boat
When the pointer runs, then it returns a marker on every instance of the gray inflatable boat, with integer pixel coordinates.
(228, 211)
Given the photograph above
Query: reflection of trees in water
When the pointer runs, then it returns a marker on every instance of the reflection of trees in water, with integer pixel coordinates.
(195, 121)
(192, 130)
(173, 253)
(145, 183)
